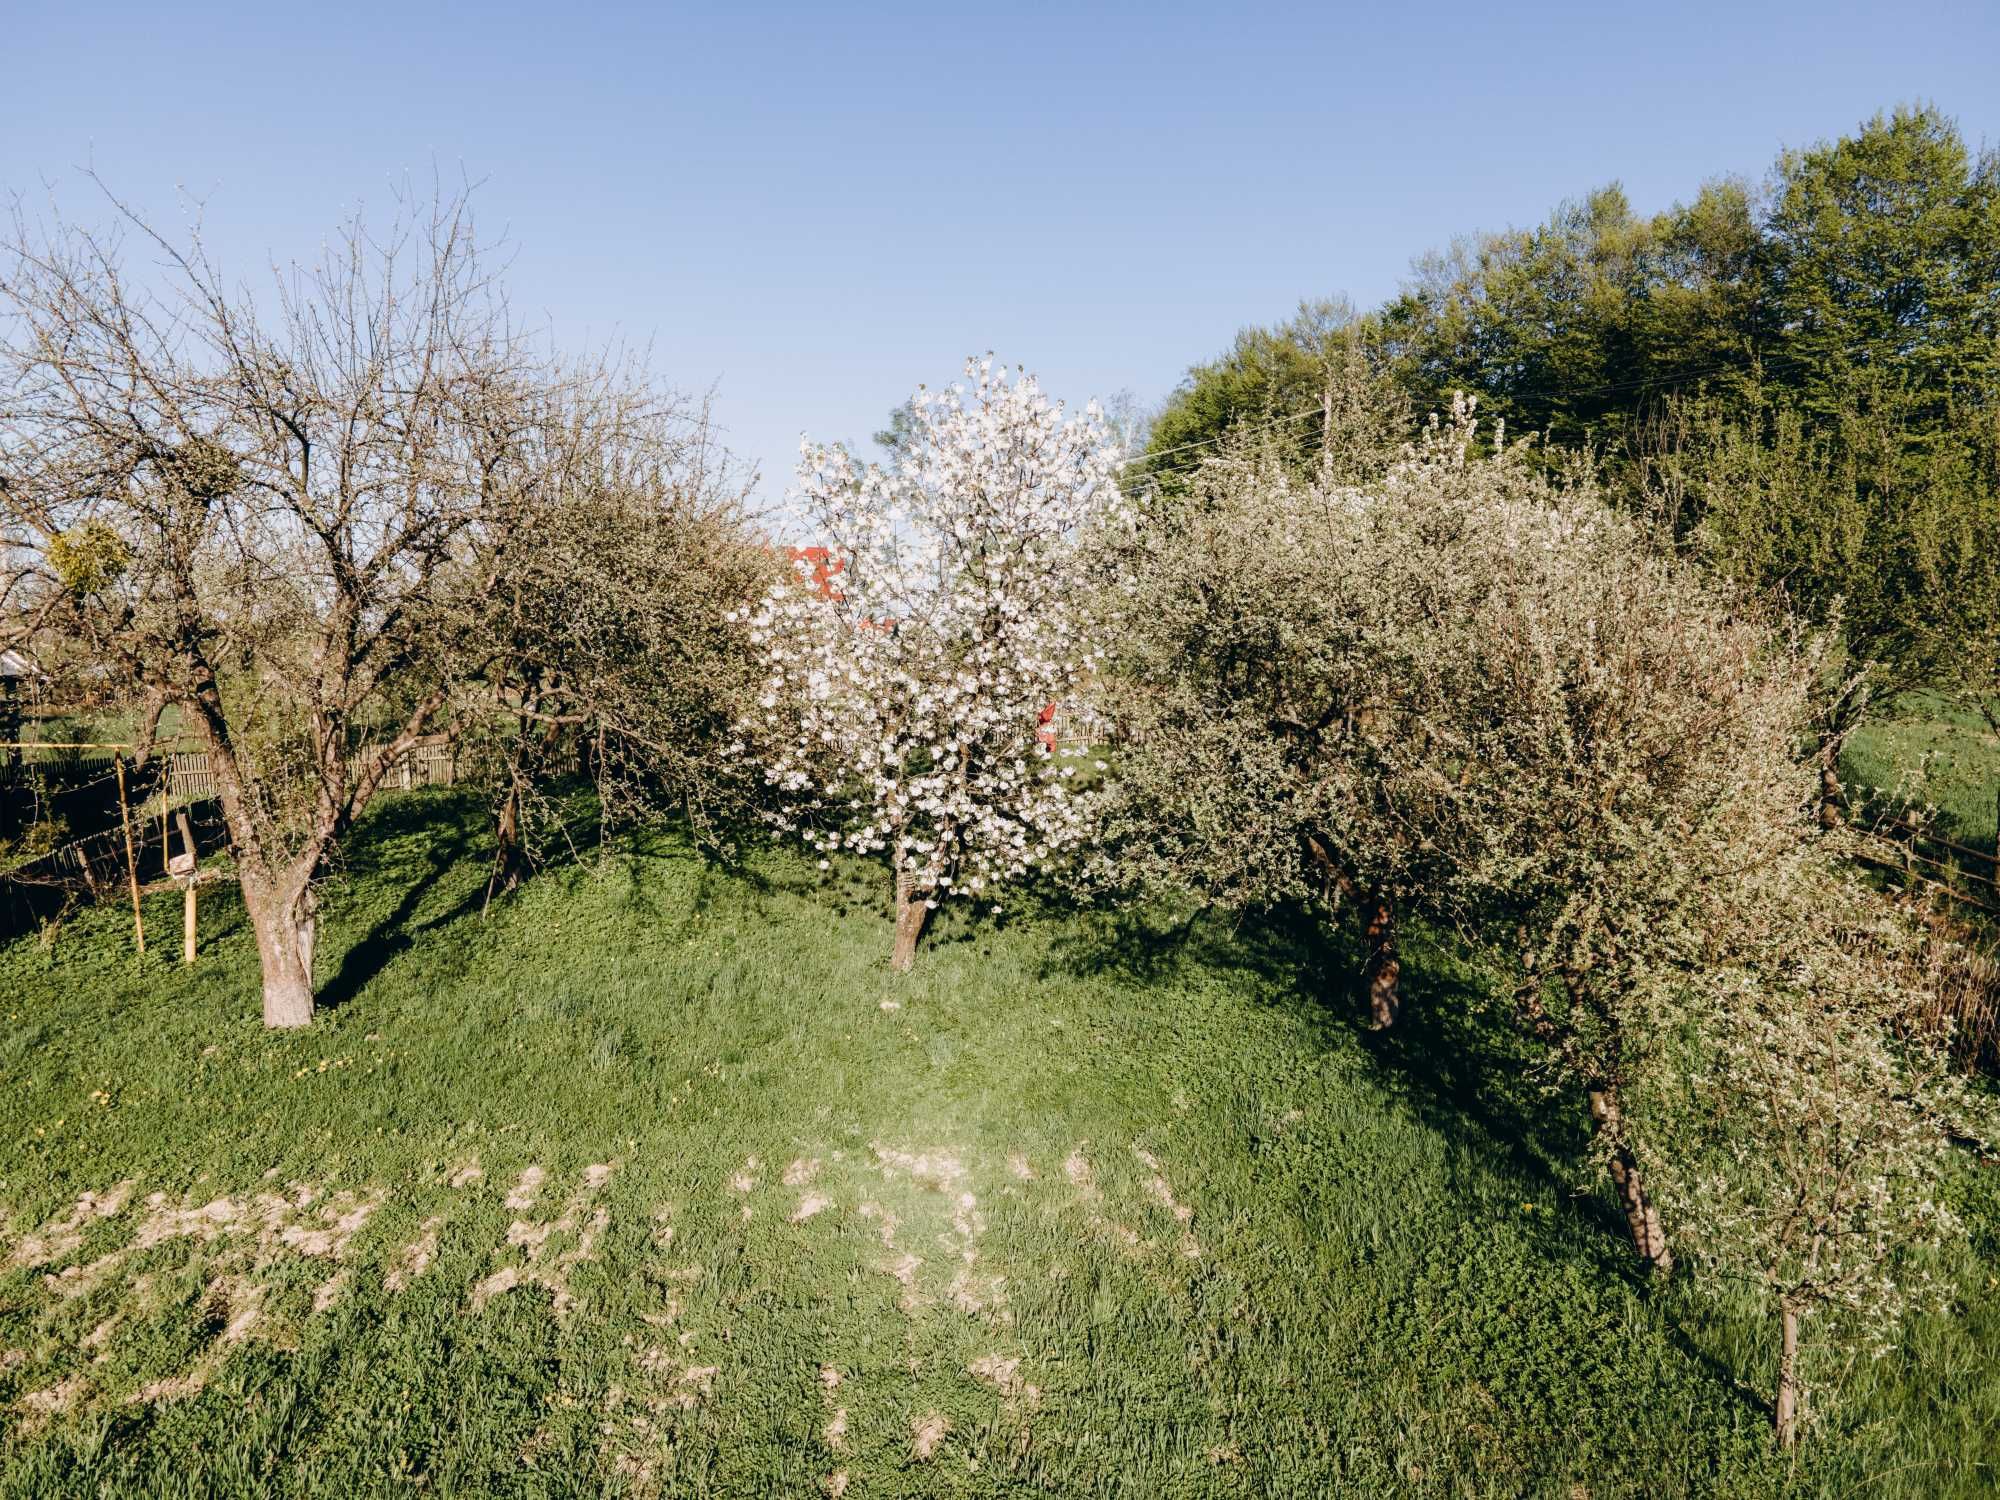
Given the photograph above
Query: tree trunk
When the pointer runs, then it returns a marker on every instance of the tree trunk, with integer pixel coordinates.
(910, 915)
(507, 857)
(1642, 1219)
(1831, 796)
(284, 923)
(1788, 1376)
(1384, 968)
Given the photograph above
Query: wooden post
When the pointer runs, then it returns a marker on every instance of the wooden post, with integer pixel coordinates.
(131, 855)
(183, 869)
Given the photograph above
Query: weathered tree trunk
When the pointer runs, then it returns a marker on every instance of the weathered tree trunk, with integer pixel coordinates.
(507, 856)
(1642, 1219)
(1788, 1376)
(1384, 968)
(910, 914)
(283, 922)
(1832, 798)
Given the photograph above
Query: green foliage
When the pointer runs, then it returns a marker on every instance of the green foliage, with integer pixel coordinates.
(1277, 379)
(40, 838)
(1884, 249)
(1864, 518)
(1573, 329)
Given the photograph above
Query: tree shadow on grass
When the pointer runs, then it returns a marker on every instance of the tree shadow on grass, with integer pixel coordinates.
(413, 841)
(383, 854)
(1451, 1060)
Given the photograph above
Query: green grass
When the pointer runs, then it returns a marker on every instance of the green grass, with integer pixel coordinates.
(1114, 1214)
(1935, 752)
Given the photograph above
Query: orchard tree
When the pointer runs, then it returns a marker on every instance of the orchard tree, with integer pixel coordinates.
(614, 655)
(1632, 741)
(1811, 1124)
(1289, 678)
(279, 514)
(1466, 691)
(907, 676)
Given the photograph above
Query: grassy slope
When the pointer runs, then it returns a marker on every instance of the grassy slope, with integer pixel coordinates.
(1373, 1284)
(1949, 752)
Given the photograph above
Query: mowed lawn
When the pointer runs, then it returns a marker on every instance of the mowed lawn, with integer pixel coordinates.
(1934, 752)
(657, 1181)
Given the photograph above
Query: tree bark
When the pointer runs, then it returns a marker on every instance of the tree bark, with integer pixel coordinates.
(1831, 796)
(1642, 1219)
(1788, 1376)
(284, 925)
(1384, 968)
(911, 913)
(507, 855)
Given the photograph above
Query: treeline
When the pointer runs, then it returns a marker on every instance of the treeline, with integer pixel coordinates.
(1798, 381)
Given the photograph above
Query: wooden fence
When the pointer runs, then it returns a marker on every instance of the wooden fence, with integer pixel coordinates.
(1967, 877)
(1077, 724)
(189, 776)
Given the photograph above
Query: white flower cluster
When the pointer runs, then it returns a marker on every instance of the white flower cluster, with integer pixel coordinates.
(908, 680)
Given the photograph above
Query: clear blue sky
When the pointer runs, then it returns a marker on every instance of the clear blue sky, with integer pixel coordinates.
(814, 208)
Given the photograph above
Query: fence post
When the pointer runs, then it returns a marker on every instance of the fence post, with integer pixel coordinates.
(131, 855)
(188, 896)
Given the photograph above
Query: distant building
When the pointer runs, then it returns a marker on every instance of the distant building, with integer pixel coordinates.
(15, 669)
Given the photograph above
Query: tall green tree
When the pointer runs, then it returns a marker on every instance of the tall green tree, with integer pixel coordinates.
(1883, 254)
(1572, 329)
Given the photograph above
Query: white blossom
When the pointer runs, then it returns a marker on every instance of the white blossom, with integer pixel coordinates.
(909, 688)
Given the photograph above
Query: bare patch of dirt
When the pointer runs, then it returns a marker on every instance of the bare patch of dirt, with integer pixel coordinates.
(330, 1291)
(535, 1237)
(1003, 1374)
(62, 1237)
(1163, 1194)
(934, 1169)
(39, 1407)
(347, 1215)
(178, 1388)
(926, 1433)
(527, 1189)
(417, 1256)
(1076, 1167)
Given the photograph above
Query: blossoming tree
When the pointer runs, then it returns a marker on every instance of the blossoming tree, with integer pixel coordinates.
(907, 679)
